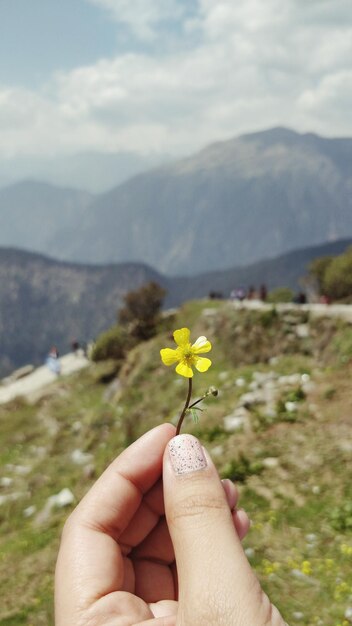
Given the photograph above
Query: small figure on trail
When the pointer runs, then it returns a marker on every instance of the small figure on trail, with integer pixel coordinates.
(263, 293)
(52, 360)
(251, 293)
(75, 346)
(300, 298)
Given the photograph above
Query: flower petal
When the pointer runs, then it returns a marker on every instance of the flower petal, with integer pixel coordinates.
(202, 364)
(169, 356)
(201, 345)
(182, 336)
(184, 370)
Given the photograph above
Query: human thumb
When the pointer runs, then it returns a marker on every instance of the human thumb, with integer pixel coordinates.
(216, 582)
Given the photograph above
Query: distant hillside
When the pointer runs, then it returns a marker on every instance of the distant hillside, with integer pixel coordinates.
(286, 270)
(45, 302)
(232, 204)
(41, 217)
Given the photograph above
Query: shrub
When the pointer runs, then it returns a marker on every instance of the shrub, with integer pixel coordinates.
(337, 281)
(240, 469)
(113, 344)
(341, 517)
(281, 294)
(317, 269)
(140, 314)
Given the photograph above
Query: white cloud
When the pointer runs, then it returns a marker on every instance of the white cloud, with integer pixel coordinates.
(252, 65)
(143, 17)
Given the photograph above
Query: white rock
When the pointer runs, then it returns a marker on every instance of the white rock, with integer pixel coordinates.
(217, 451)
(270, 385)
(29, 511)
(6, 481)
(64, 498)
(308, 387)
(302, 331)
(345, 446)
(271, 462)
(12, 497)
(21, 470)
(270, 411)
(61, 499)
(264, 377)
(39, 451)
(252, 397)
(348, 614)
(291, 406)
(81, 458)
(209, 312)
(298, 615)
(233, 422)
(292, 379)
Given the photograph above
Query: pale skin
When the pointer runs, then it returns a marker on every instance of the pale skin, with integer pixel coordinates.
(147, 547)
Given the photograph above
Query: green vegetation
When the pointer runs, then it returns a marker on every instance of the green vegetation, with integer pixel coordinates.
(138, 320)
(140, 314)
(333, 276)
(291, 456)
(111, 345)
(281, 294)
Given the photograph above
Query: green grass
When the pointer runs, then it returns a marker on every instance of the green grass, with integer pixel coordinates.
(307, 494)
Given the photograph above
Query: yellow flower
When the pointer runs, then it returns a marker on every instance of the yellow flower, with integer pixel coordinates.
(187, 354)
(306, 568)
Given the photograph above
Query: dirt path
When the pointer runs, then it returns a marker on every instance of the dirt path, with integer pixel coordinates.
(41, 377)
(343, 311)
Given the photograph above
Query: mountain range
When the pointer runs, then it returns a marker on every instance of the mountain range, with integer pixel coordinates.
(45, 302)
(232, 204)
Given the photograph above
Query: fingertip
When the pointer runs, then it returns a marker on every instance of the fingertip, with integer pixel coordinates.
(231, 492)
(241, 522)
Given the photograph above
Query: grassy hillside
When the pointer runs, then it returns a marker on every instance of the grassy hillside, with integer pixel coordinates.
(284, 384)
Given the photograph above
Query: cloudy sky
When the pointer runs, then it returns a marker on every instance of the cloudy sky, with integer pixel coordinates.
(169, 76)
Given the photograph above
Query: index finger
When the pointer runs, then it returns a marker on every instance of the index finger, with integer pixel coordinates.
(115, 497)
(90, 563)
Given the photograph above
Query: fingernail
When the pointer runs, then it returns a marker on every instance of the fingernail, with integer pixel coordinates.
(186, 454)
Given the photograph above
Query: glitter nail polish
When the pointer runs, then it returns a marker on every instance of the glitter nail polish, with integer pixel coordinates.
(186, 454)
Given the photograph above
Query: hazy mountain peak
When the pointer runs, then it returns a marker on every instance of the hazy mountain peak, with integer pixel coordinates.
(232, 203)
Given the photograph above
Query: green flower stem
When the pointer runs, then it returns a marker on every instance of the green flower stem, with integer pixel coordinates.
(182, 416)
(197, 402)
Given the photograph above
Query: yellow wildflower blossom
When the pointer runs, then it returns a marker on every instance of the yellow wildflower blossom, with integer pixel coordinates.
(306, 568)
(187, 354)
(346, 549)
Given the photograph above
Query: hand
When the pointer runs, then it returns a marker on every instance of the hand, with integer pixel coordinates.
(116, 564)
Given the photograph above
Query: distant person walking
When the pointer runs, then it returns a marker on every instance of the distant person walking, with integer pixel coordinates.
(263, 293)
(52, 361)
(75, 346)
